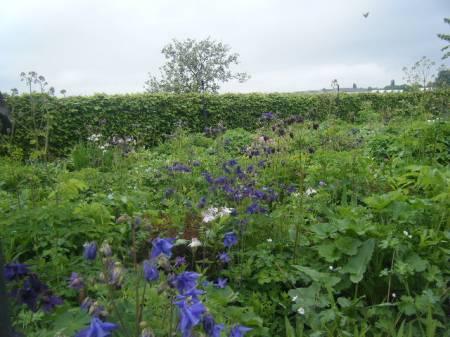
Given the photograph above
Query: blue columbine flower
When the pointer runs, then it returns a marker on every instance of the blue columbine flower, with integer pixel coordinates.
(239, 331)
(162, 246)
(75, 281)
(232, 162)
(186, 281)
(202, 202)
(221, 283)
(230, 239)
(179, 261)
(190, 315)
(49, 302)
(14, 271)
(254, 208)
(151, 272)
(224, 257)
(97, 328)
(210, 327)
(90, 250)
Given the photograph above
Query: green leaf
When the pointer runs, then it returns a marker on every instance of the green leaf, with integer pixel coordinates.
(348, 245)
(329, 252)
(289, 329)
(324, 279)
(357, 265)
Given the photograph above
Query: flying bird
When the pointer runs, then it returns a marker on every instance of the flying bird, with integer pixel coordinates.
(366, 14)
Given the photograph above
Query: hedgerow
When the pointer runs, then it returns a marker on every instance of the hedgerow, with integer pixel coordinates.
(150, 118)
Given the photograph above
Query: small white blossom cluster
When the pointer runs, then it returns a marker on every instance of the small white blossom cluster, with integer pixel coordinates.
(301, 310)
(405, 233)
(433, 120)
(94, 137)
(310, 191)
(214, 213)
(104, 146)
(195, 243)
(123, 140)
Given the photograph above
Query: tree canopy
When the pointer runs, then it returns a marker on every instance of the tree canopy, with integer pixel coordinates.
(195, 66)
(445, 37)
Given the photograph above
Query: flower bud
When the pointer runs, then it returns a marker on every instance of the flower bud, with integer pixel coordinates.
(105, 249)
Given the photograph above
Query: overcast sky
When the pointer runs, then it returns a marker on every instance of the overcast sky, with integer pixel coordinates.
(92, 46)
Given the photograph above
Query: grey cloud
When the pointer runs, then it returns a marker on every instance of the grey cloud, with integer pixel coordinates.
(109, 46)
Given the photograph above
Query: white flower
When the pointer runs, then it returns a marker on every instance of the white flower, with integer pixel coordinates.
(310, 191)
(294, 298)
(269, 240)
(213, 213)
(195, 243)
(331, 268)
(95, 137)
(301, 311)
(405, 233)
(394, 295)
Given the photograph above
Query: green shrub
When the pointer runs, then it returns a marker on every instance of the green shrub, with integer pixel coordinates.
(150, 118)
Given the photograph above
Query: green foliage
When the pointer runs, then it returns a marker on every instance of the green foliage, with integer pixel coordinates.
(150, 118)
(355, 243)
(195, 66)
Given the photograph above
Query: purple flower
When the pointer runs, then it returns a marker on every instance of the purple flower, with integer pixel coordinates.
(268, 116)
(75, 281)
(178, 167)
(29, 293)
(190, 315)
(93, 308)
(202, 202)
(224, 257)
(49, 302)
(186, 281)
(221, 283)
(169, 192)
(179, 261)
(97, 328)
(291, 189)
(14, 271)
(221, 180)
(232, 162)
(255, 208)
(208, 177)
(210, 327)
(239, 331)
(230, 239)
(162, 246)
(90, 250)
(151, 272)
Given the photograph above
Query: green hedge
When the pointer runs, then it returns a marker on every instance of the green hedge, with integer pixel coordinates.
(151, 117)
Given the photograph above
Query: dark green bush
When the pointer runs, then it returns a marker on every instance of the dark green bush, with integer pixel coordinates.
(149, 118)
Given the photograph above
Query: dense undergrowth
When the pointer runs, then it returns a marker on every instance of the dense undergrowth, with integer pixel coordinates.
(302, 229)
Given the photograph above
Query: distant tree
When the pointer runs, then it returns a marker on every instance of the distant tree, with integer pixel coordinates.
(354, 86)
(443, 78)
(195, 66)
(392, 84)
(420, 73)
(335, 85)
(445, 37)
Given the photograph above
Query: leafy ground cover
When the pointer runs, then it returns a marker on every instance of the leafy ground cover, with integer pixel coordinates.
(296, 229)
